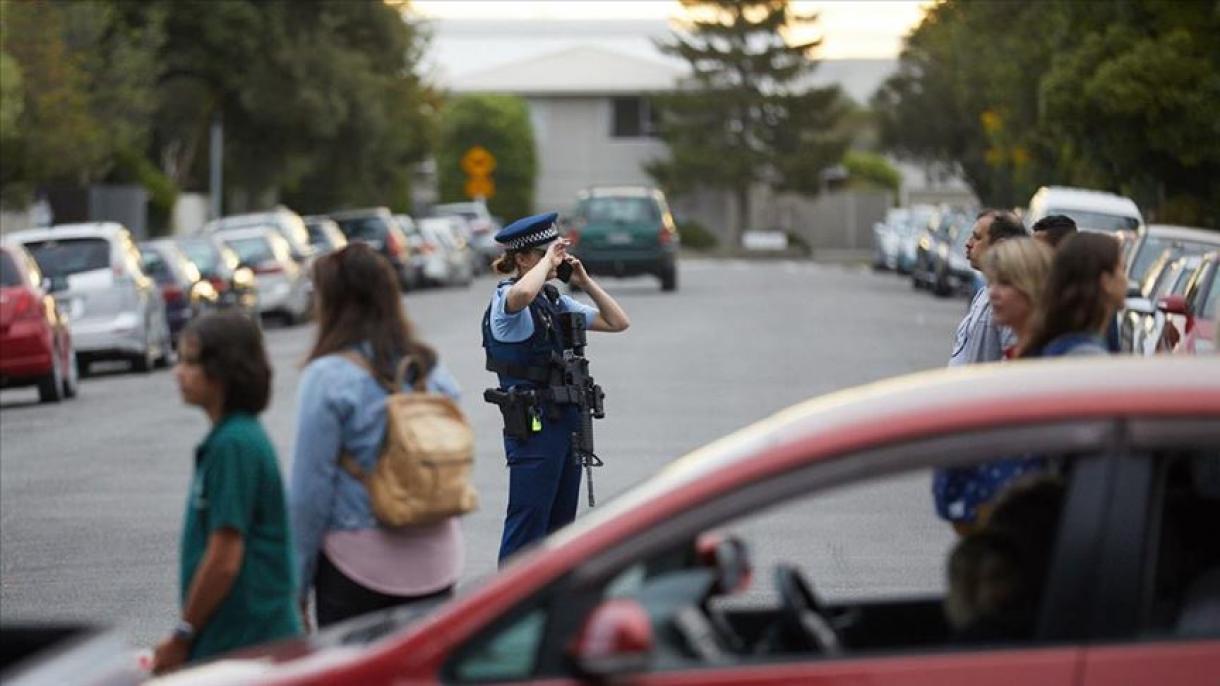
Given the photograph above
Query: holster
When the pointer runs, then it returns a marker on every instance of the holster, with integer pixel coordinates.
(517, 407)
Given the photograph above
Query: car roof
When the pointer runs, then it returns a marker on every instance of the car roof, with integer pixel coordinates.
(249, 232)
(1063, 197)
(361, 212)
(109, 230)
(1184, 233)
(620, 191)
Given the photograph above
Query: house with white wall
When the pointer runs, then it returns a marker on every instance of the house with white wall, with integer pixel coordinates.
(590, 115)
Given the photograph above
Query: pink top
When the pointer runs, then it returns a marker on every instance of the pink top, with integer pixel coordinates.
(412, 560)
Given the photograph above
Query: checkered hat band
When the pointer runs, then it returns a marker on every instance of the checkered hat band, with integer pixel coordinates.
(531, 239)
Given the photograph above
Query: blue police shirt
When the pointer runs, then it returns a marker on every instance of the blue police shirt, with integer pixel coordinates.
(515, 327)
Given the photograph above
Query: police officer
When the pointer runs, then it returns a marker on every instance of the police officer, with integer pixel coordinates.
(522, 341)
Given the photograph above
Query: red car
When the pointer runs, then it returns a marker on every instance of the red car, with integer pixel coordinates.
(1102, 567)
(35, 340)
(1197, 308)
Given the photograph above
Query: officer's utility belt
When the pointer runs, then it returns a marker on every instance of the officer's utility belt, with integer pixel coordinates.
(522, 408)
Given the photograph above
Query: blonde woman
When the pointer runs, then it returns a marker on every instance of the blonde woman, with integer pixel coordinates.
(1016, 272)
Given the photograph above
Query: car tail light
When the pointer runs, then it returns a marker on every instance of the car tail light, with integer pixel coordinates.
(218, 283)
(393, 245)
(26, 306)
(269, 267)
(665, 236)
(172, 294)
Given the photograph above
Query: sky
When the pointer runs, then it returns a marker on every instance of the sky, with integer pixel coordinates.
(850, 29)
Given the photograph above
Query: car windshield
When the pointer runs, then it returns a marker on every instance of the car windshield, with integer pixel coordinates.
(1154, 246)
(1211, 299)
(621, 210)
(156, 266)
(363, 228)
(252, 250)
(1100, 221)
(10, 275)
(205, 256)
(71, 256)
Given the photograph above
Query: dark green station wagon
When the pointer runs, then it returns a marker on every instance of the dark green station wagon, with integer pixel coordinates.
(625, 231)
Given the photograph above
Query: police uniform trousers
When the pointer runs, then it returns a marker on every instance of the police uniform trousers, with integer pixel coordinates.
(544, 481)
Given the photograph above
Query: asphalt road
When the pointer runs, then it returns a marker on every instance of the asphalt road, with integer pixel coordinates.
(92, 491)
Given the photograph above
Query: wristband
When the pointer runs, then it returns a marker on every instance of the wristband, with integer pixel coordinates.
(184, 631)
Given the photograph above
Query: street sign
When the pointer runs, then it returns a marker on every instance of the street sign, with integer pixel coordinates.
(480, 187)
(478, 161)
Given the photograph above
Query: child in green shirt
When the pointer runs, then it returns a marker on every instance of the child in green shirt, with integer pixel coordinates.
(236, 578)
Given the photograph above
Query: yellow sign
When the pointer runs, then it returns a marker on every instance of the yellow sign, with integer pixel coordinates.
(478, 161)
(480, 187)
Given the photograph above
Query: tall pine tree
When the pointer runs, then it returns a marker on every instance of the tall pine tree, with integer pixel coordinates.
(748, 114)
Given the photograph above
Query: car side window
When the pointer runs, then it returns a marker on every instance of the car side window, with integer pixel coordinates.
(1183, 599)
(861, 568)
(507, 653)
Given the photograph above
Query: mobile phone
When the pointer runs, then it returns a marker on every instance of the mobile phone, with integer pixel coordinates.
(563, 271)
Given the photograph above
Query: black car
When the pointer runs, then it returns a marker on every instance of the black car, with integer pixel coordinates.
(219, 265)
(185, 292)
(377, 227)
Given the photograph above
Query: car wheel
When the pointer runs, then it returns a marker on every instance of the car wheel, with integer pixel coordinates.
(669, 279)
(72, 378)
(51, 386)
(143, 362)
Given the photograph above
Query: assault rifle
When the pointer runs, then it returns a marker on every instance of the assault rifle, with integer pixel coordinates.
(576, 387)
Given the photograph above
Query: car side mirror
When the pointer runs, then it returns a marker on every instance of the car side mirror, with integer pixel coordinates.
(615, 640)
(1172, 304)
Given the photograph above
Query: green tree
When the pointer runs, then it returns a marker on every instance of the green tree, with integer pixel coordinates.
(748, 115)
(870, 170)
(12, 96)
(501, 125)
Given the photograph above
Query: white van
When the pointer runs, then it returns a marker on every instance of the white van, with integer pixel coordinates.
(1091, 210)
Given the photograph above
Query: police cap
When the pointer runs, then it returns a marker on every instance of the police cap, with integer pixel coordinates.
(529, 232)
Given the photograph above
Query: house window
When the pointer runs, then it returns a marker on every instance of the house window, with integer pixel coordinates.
(634, 117)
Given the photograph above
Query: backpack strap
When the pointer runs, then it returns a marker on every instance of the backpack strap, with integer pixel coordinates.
(420, 383)
(348, 464)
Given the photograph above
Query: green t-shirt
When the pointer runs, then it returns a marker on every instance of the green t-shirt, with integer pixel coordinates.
(237, 485)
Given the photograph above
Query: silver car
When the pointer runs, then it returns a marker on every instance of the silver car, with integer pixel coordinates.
(97, 278)
(284, 288)
(289, 224)
(451, 261)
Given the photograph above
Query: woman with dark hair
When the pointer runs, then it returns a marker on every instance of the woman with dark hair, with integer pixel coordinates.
(1086, 286)
(236, 577)
(351, 563)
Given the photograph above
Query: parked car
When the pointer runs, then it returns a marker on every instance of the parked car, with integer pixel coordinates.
(928, 246)
(1199, 307)
(284, 221)
(887, 237)
(418, 260)
(450, 260)
(324, 234)
(44, 654)
(483, 228)
(184, 290)
(1115, 584)
(115, 309)
(625, 231)
(1091, 210)
(1182, 303)
(284, 288)
(35, 337)
(951, 270)
(1159, 330)
(377, 227)
(235, 285)
(1151, 243)
(908, 237)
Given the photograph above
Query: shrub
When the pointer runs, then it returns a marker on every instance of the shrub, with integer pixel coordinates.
(696, 236)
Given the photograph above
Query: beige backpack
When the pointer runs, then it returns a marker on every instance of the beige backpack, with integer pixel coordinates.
(423, 472)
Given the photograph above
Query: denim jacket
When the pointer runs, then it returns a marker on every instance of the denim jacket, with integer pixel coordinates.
(339, 407)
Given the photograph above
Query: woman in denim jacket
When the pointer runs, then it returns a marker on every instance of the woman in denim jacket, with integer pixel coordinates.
(352, 564)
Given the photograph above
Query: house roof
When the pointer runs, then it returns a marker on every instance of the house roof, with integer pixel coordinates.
(573, 71)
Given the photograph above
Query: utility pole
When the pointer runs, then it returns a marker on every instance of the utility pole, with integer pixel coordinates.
(216, 161)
